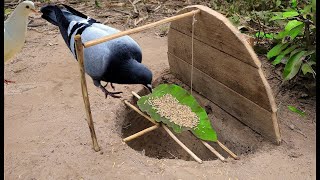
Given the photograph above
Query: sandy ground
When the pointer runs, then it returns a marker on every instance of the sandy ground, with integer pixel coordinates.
(46, 135)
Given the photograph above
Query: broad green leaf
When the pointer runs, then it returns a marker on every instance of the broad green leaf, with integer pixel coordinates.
(293, 65)
(293, 33)
(280, 35)
(306, 68)
(204, 129)
(310, 52)
(292, 24)
(296, 110)
(296, 51)
(276, 50)
(294, 3)
(278, 59)
(290, 14)
(277, 17)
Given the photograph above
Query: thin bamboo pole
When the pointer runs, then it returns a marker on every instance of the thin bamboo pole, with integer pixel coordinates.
(228, 150)
(79, 50)
(181, 144)
(139, 112)
(141, 28)
(213, 151)
(140, 133)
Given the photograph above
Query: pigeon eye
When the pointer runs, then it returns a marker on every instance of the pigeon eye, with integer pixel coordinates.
(27, 7)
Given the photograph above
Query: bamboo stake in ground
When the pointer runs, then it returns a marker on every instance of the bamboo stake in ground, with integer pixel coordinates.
(213, 151)
(168, 131)
(138, 111)
(181, 144)
(140, 133)
(228, 150)
(79, 50)
(141, 28)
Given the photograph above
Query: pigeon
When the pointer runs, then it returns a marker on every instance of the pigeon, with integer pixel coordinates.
(15, 28)
(115, 61)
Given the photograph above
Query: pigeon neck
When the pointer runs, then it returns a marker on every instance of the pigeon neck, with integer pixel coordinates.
(18, 21)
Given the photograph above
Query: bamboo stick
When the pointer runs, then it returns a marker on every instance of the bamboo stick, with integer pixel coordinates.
(138, 29)
(135, 94)
(228, 150)
(213, 151)
(140, 133)
(141, 113)
(181, 144)
(79, 50)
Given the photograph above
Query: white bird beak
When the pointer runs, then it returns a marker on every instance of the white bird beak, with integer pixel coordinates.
(33, 10)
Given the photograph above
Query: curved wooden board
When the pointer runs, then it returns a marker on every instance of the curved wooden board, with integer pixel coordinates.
(226, 69)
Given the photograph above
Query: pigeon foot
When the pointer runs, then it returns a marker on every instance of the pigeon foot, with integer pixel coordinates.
(111, 86)
(112, 94)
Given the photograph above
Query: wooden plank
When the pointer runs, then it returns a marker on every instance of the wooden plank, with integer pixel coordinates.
(215, 30)
(235, 74)
(254, 116)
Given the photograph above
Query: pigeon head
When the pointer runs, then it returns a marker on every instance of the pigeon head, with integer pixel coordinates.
(142, 75)
(26, 7)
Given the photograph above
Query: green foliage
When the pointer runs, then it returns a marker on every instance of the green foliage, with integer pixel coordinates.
(296, 42)
(204, 129)
(296, 110)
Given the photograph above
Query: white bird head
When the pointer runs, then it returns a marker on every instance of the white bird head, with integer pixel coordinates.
(26, 7)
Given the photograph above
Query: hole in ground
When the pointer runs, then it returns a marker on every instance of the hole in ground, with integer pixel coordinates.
(158, 144)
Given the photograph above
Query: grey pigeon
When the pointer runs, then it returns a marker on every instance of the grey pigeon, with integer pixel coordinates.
(115, 61)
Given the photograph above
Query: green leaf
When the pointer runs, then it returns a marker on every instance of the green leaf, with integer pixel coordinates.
(296, 110)
(293, 33)
(293, 65)
(294, 3)
(281, 55)
(278, 59)
(204, 129)
(296, 51)
(292, 24)
(276, 50)
(264, 35)
(290, 14)
(280, 35)
(306, 68)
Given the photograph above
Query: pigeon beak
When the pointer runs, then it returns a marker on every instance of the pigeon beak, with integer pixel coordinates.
(35, 11)
(149, 86)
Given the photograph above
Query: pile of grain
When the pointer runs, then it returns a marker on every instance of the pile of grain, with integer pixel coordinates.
(169, 107)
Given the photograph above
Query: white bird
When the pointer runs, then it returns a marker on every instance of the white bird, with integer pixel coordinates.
(15, 29)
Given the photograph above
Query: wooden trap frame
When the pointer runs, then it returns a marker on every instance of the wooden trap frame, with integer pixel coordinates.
(259, 114)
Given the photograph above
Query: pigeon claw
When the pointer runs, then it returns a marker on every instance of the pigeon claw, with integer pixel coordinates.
(111, 86)
(112, 94)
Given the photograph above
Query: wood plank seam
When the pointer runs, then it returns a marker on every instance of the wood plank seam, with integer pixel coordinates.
(195, 37)
(221, 83)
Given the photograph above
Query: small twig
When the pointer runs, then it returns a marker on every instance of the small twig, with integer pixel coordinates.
(140, 133)
(116, 10)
